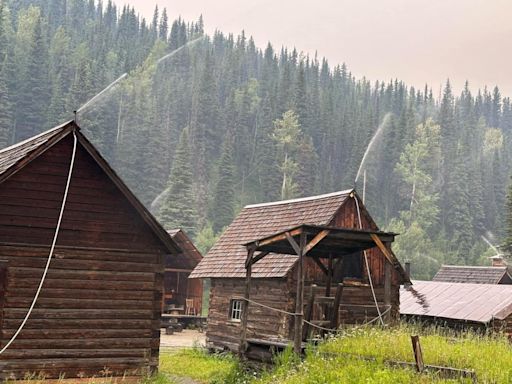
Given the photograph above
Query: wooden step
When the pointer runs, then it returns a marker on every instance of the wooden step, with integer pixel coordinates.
(324, 300)
(321, 323)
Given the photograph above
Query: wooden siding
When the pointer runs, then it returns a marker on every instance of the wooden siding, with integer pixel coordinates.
(97, 214)
(262, 322)
(99, 309)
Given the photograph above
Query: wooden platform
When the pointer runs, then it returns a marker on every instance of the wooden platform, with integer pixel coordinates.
(264, 349)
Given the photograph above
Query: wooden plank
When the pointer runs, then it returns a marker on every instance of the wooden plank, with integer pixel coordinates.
(320, 265)
(336, 307)
(278, 237)
(318, 238)
(293, 243)
(383, 248)
(258, 257)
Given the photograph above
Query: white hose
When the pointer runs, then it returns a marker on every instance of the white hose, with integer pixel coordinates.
(367, 266)
(51, 250)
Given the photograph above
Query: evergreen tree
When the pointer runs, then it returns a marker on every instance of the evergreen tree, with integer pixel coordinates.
(224, 197)
(507, 242)
(178, 209)
(5, 112)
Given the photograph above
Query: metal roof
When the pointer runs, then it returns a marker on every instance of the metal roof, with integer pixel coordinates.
(471, 274)
(459, 301)
(227, 257)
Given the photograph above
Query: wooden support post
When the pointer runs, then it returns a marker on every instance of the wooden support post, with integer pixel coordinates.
(388, 273)
(336, 307)
(309, 312)
(329, 276)
(418, 354)
(299, 302)
(245, 309)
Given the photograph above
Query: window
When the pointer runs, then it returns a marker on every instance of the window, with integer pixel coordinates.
(235, 311)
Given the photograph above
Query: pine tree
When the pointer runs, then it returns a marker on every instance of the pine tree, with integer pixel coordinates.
(178, 209)
(163, 28)
(223, 208)
(33, 99)
(507, 243)
(5, 111)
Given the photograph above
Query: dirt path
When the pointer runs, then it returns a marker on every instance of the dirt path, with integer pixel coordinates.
(186, 339)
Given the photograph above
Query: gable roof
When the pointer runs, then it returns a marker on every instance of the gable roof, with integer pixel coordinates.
(459, 301)
(471, 274)
(227, 257)
(17, 156)
(190, 255)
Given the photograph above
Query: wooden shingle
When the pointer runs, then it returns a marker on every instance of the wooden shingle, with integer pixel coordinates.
(227, 257)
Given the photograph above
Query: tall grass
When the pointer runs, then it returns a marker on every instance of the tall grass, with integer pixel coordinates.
(338, 360)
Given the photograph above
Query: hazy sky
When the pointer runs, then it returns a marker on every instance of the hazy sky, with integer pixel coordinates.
(412, 40)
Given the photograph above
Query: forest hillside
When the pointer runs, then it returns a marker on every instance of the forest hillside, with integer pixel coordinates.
(199, 126)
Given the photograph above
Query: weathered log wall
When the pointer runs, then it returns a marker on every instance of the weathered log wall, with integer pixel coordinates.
(262, 322)
(99, 309)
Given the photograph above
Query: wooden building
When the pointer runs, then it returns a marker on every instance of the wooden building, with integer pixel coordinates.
(179, 290)
(459, 305)
(499, 274)
(98, 312)
(253, 261)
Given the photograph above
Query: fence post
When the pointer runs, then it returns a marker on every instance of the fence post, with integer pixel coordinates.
(418, 354)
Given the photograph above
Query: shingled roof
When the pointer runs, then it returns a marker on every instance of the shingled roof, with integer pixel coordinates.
(473, 274)
(17, 156)
(226, 258)
(459, 301)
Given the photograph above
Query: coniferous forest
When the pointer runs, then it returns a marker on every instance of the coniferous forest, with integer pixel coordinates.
(199, 126)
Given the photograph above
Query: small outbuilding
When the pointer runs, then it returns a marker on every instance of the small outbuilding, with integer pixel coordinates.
(182, 296)
(474, 274)
(98, 309)
(459, 305)
(284, 269)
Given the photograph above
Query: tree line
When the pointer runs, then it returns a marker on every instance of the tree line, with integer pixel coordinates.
(202, 125)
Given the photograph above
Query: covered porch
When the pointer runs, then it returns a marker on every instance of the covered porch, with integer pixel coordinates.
(327, 247)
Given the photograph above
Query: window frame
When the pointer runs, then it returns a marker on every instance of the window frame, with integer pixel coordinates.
(236, 308)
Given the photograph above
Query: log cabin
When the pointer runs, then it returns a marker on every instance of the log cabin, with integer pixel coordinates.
(98, 311)
(252, 260)
(459, 306)
(181, 294)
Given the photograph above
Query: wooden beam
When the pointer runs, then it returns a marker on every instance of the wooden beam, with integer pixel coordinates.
(258, 257)
(318, 238)
(309, 312)
(330, 273)
(177, 270)
(299, 306)
(383, 248)
(293, 243)
(335, 308)
(278, 237)
(245, 308)
(320, 265)
(388, 273)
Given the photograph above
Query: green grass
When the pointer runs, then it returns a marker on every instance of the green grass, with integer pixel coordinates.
(201, 366)
(335, 361)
